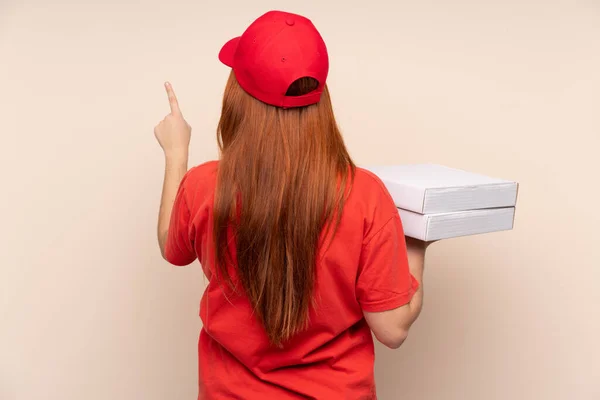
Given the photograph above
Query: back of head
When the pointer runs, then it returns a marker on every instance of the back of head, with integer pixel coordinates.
(283, 177)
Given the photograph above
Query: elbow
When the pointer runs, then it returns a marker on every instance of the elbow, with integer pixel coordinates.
(163, 253)
(394, 340)
(162, 244)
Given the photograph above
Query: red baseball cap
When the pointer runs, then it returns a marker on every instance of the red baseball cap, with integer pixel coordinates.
(277, 49)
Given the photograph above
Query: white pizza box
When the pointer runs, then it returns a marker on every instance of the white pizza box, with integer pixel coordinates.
(432, 188)
(439, 226)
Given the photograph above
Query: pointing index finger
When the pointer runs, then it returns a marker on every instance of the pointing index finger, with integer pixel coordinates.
(172, 99)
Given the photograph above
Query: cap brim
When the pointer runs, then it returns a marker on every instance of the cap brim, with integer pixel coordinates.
(227, 53)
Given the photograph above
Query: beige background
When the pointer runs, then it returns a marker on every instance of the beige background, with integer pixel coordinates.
(507, 88)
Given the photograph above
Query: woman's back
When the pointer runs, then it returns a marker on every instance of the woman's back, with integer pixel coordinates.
(304, 252)
(362, 268)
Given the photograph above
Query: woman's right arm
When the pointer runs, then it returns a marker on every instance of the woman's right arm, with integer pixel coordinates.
(391, 327)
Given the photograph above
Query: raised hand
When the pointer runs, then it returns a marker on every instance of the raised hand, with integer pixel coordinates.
(173, 132)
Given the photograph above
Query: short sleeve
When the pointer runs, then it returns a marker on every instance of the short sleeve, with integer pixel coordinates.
(179, 249)
(384, 280)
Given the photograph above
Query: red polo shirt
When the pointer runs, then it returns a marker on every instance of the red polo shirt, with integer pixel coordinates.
(364, 269)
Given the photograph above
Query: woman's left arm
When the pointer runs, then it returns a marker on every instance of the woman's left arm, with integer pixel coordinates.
(173, 134)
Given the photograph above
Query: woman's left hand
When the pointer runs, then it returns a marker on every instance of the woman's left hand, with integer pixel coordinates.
(173, 132)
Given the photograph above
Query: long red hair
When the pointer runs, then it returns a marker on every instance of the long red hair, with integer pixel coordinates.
(282, 182)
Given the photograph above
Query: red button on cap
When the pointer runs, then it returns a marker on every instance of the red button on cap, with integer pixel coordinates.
(290, 22)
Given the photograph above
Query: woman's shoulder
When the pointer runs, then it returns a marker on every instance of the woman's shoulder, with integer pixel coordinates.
(371, 199)
(199, 182)
(369, 183)
(206, 171)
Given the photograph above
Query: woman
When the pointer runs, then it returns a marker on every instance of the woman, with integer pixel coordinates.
(305, 253)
